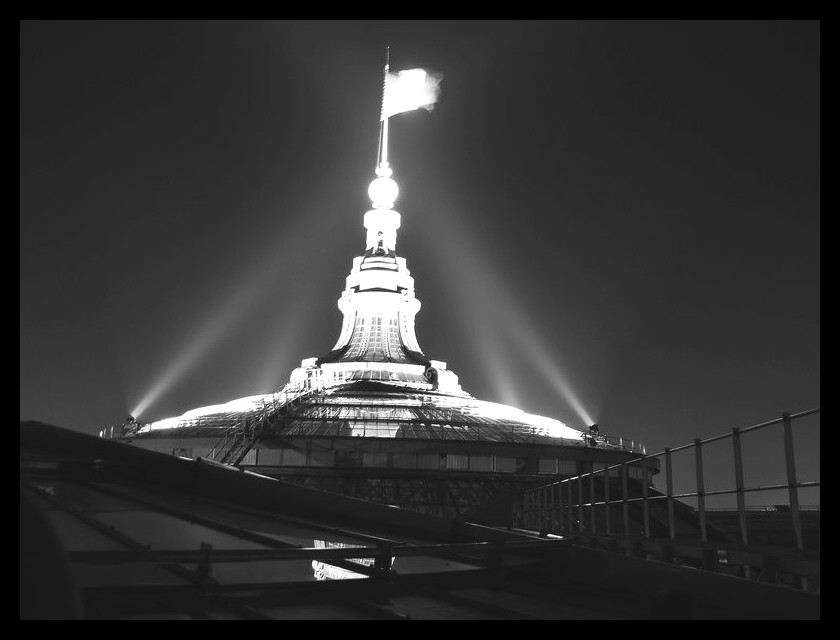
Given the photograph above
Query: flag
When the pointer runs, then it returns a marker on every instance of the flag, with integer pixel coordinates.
(409, 90)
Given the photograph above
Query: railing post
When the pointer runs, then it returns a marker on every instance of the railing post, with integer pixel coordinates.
(669, 491)
(561, 521)
(625, 508)
(607, 521)
(739, 488)
(547, 508)
(543, 513)
(580, 504)
(529, 509)
(570, 517)
(535, 510)
(701, 492)
(592, 498)
(793, 489)
(739, 485)
(645, 503)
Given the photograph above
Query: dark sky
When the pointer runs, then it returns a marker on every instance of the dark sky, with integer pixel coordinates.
(615, 220)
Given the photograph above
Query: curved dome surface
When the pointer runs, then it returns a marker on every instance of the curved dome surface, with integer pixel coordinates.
(372, 410)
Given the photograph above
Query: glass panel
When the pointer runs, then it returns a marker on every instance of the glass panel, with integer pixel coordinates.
(75, 535)
(125, 574)
(81, 498)
(265, 571)
(161, 531)
(428, 564)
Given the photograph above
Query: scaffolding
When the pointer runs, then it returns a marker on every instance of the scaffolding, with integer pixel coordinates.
(347, 410)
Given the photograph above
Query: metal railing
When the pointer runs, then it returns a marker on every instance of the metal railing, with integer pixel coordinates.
(562, 507)
(614, 442)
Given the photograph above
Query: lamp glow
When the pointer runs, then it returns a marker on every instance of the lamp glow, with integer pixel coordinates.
(383, 192)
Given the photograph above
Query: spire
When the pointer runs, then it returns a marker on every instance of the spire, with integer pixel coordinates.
(403, 91)
(383, 190)
(382, 159)
(382, 222)
(378, 303)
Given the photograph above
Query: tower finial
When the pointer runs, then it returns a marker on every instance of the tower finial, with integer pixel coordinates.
(404, 91)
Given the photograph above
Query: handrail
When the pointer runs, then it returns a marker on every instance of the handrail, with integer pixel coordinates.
(564, 502)
(683, 447)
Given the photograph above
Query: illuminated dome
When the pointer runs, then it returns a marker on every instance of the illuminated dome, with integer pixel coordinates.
(376, 381)
(374, 417)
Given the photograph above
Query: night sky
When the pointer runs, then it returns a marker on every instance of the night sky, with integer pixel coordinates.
(616, 221)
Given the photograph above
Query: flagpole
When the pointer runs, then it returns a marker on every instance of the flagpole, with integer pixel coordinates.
(383, 131)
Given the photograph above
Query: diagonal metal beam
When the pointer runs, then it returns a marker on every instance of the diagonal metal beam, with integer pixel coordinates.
(210, 523)
(193, 577)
